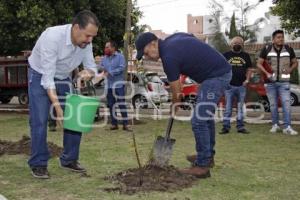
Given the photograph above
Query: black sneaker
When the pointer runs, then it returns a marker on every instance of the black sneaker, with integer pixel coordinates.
(243, 131)
(224, 131)
(74, 166)
(40, 172)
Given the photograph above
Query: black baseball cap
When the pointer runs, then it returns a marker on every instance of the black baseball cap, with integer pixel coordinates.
(141, 41)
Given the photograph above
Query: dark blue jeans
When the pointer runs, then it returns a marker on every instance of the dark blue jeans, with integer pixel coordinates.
(238, 93)
(203, 123)
(39, 106)
(117, 96)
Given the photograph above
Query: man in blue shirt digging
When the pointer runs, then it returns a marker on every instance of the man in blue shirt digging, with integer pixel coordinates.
(183, 53)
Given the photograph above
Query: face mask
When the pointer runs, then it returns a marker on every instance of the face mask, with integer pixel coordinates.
(107, 52)
(237, 48)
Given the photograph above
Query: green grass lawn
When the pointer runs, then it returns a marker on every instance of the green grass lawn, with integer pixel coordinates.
(255, 166)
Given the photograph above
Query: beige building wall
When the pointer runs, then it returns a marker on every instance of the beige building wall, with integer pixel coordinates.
(195, 24)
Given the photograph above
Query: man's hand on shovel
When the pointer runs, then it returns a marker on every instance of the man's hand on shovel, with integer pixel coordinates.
(174, 108)
(176, 89)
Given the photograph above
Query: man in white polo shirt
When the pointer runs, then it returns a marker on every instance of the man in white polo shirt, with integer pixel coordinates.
(57, 52)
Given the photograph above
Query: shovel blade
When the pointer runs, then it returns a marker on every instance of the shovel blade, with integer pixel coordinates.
(162, 151)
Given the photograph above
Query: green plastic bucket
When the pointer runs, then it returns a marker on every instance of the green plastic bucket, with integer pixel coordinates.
(80, 112)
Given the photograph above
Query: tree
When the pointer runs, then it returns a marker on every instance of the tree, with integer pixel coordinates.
(233, 30)
(289, 15)
(218, 40)
(127, 32)
(22, 21)
(246, 30)
(238, 25)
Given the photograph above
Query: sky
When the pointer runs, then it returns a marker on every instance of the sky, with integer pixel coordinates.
(171, 15)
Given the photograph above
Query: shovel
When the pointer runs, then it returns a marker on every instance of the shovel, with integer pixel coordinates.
(163, 147)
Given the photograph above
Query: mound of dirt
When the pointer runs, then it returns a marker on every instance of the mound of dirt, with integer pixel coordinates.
(154, 178)
(23, 147)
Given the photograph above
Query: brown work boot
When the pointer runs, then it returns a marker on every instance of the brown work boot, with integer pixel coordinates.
(114, 127)
(192, 159)
(199, 172)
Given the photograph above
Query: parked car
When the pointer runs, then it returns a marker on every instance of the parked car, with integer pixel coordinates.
(256, 92)
(165, 80)
(189, 92)
(142, 90)
(13, 79)
(257, 84)
(295, 94)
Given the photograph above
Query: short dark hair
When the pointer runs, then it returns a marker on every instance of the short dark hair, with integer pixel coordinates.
(85, 17)
(277, 32)
(113, 44)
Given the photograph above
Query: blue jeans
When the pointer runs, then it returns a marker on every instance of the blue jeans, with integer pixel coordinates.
(282, 90)
(203, 123)
(117, 95)
(39, 106)
(238, 92)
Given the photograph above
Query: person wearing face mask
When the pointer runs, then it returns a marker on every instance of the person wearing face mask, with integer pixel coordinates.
(240, 62)
(58, 51)
(113, 65)
(282, 61)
